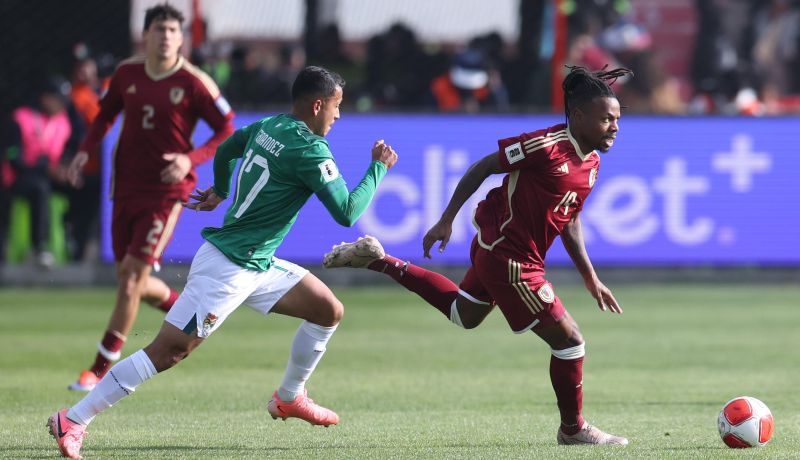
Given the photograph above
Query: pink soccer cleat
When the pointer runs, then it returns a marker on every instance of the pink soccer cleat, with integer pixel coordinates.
(86, 382)
(589, 435)
(303, 408)
(69, 435)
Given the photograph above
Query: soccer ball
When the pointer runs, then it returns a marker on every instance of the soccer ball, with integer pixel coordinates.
(745, 422)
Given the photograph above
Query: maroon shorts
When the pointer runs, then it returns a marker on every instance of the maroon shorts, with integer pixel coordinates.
(143, 229)
(519, 289)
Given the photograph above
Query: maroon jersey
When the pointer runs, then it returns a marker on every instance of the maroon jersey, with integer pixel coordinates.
(549, 179)
(161, 112)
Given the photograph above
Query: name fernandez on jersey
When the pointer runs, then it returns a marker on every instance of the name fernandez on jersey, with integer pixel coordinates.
(268, 143)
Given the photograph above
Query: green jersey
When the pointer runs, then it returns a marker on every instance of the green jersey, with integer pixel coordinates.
(284, 164)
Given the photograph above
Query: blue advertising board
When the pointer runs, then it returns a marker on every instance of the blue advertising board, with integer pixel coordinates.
(672, 191)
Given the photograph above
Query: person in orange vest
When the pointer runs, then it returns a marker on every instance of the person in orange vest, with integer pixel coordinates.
(81, 221)
(468, 86)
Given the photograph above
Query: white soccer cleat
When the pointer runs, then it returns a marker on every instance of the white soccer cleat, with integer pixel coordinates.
(357, 254)
(589, 435)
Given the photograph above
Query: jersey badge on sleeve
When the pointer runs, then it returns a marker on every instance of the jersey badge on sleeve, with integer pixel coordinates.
(329, 170)
(514, 153)
(176, 95)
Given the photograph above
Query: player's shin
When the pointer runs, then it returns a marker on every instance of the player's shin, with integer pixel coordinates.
(434, 288)
(566, 375)
(120, 381)
(310, 343)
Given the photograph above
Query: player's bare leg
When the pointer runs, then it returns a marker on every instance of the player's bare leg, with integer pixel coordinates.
(157, 294)
(132, 276)
(311, 300)
(469, 313)
(566, 374)
(171, 346)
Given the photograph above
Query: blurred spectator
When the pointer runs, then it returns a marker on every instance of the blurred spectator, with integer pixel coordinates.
(5, 198)
(292, 59)
(332, 56)
(81, 221)
(397, 69)
(776, 28)
(597, 40)
(248, 86)
(585, 51)
(745, 56)
(213, 59)
(37, 139)
(469, 85)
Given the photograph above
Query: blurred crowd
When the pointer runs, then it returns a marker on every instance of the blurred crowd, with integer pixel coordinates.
(39, 141)
(742, 64)
(745, 57)
(742, 60)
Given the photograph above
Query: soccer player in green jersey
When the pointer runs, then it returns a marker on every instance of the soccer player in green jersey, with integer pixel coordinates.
(285, 159)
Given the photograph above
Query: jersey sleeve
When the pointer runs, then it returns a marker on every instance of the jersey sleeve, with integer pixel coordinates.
(225, 159)
(212, 107)
(528, 150)
(110, 106)
(320, 174)
(317, 168)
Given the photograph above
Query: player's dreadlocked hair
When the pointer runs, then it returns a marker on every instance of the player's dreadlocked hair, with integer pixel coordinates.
(581, 85)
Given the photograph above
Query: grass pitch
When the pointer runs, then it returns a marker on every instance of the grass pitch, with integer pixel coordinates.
(408, 384)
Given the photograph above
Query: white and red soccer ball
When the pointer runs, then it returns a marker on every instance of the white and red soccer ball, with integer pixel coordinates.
(745, 422)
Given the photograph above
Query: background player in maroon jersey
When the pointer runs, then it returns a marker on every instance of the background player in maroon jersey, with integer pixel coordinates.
(550, 174)
(162, 96)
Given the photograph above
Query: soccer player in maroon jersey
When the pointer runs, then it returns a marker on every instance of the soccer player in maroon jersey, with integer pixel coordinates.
(550, 173)
(162, 97)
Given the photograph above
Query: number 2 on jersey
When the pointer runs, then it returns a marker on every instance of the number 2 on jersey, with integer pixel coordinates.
(147, 119)
(247, 166)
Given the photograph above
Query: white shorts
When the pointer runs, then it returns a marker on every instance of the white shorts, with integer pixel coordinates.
(216, 287)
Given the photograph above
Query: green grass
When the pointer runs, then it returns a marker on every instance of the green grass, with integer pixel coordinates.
(407, 384)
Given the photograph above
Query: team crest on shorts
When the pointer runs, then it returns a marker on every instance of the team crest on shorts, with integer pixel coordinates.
(176, 95)
(209, 322)
(546, 293)
(592, 177)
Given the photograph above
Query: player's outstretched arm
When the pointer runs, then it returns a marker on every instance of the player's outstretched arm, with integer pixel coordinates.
(346, 207)
(228, 153)
(572, 238)
(469, 183)
(110, 106)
